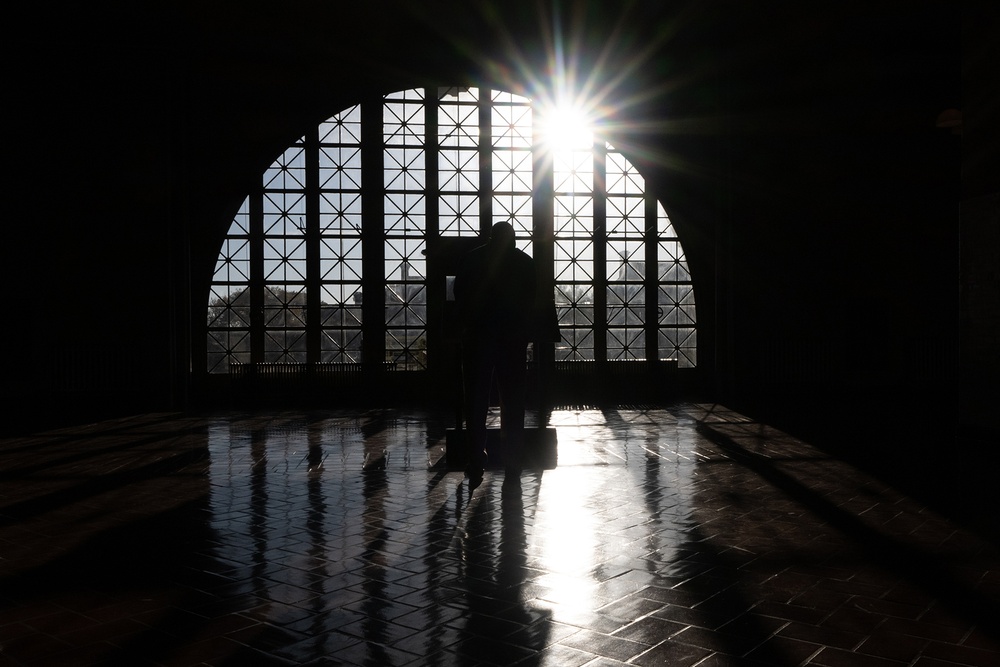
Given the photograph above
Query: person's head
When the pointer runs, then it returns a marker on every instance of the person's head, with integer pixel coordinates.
(502, 235)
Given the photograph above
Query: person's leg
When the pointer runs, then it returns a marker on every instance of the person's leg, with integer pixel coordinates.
(511, 378)
(476, 376)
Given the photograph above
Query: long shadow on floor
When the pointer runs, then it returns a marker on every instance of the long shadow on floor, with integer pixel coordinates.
(500, 627)
(922, 569)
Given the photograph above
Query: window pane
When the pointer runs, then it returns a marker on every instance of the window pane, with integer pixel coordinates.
(344, 128)
(340, 259)
(514, 209)
(573, 215)
(404, 214)
(458, 215)
(340, 213)
(574, 260)
(340, 168)
(626, 217)
(288, 172)
(341, 346)
(403, 118)
(622, 177)
(233, 264)
(284, 213)
(458, 171)
(512, 171)
(573, 171)
(512, 125)
(458, 125)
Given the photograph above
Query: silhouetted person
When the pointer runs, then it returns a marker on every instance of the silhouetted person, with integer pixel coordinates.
(495, 295)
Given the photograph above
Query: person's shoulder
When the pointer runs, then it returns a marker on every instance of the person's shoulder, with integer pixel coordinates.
(473, 257)
(477, 254)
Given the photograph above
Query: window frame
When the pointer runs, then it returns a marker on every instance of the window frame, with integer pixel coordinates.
(658, 327)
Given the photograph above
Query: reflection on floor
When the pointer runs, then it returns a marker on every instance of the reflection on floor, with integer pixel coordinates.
(684, 535)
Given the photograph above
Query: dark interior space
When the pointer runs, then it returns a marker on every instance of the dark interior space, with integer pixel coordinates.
(843, 246)
(840, 226)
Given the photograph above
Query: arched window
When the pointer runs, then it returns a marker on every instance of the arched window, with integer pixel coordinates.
(327, 262)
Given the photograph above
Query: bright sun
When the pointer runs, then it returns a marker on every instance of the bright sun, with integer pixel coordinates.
(567, 127)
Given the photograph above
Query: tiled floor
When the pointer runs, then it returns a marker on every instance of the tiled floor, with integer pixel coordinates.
(685, 535)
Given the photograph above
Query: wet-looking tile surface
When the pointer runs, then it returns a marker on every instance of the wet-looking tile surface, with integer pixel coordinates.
(682, 535)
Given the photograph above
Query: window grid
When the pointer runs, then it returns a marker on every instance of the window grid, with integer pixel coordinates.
(574, 252)
(405, 225)
(677, 335)
(228, 339)
(625, 263)
(285, 262)
(340, 242)
(458, 162)
(511, 142)
(452, 163)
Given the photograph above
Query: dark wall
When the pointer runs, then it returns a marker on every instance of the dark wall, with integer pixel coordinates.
(89, 229)
(979, 306)
(842, 238)
(794, 144)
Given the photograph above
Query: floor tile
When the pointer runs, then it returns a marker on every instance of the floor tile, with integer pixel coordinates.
(683, 534)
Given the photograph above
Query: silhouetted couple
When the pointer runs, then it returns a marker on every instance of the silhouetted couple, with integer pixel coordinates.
(495, 294)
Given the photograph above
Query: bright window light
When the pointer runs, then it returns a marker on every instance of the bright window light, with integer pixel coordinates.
(566, 127)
